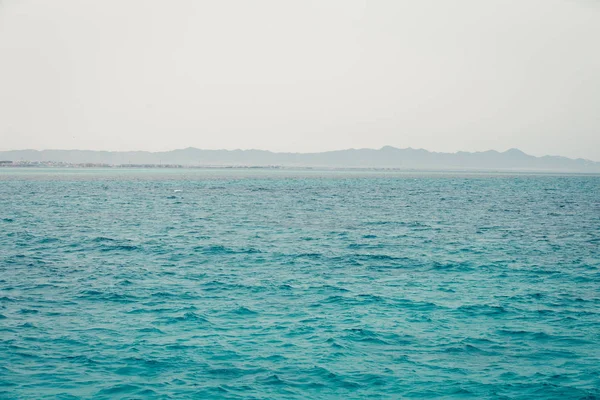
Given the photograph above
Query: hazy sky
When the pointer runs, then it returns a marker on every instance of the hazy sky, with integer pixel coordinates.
(301, 75)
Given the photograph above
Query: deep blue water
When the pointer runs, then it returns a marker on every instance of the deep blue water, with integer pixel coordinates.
(256, 284)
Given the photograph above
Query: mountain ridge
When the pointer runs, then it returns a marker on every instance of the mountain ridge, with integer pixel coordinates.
(384, 157)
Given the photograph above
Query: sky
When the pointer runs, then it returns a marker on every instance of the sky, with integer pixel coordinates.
(301, 76)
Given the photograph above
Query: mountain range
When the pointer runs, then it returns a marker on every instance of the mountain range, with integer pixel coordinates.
(386, 157)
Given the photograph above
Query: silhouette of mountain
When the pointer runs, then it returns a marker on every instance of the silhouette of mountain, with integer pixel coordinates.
(386, 157)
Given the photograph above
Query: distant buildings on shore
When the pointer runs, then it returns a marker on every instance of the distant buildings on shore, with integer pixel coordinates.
(57, 164)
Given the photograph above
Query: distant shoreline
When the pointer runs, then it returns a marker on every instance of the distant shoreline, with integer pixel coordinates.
(65, 166)
(385, 158)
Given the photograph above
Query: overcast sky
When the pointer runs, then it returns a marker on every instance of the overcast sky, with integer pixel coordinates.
(301, 75)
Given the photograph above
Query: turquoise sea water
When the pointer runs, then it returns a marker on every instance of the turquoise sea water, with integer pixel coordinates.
(258, 284)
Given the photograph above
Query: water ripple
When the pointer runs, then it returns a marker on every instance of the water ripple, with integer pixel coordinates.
(259, 285)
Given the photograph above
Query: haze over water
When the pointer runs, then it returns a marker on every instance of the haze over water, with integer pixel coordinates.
(298, 284)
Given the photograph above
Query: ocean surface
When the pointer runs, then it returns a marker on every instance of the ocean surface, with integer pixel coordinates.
(282, 284)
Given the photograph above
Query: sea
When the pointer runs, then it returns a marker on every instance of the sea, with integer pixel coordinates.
(298, 284)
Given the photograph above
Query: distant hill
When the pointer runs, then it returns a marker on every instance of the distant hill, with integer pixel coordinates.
(386, 157)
